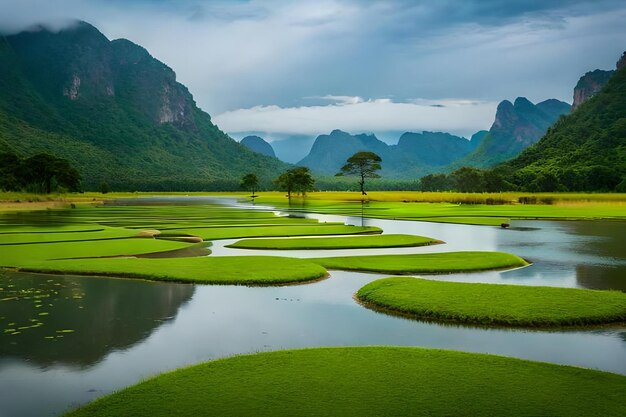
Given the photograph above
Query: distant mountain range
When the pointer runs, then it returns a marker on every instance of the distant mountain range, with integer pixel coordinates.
(115, 112)
(583, 151)
(516, 126)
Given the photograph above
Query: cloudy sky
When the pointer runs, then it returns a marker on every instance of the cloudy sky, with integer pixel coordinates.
(284, 67)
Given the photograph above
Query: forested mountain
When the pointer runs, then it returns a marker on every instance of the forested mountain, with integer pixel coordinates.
(516, 126)
(258, 145)
(115, 112)
(584, 151)
(416, 154)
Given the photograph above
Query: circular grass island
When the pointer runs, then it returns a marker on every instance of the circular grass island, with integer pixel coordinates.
(493, 304)
(350, 242)
(369, 381)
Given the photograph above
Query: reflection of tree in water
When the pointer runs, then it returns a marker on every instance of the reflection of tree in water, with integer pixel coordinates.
(623, 336)
(601, 277)
(79, 320)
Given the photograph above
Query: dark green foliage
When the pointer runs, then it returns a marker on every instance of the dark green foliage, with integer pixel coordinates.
(250, 182)
(584, 151)
(42, 173)
(298, 180)
(435, 182)
(468, 180)
(364, 165)
(104, 187)
(115, 112)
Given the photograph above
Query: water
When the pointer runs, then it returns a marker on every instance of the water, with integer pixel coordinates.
(127, 330)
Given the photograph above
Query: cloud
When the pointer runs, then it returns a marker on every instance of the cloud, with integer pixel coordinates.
(241, 54)
(461, 117)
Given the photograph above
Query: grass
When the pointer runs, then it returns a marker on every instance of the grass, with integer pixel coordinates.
(426, 263)
(235, 270)
(464, 208)
(352, 242)
(369, 381)
(494, 304)
(234, 232)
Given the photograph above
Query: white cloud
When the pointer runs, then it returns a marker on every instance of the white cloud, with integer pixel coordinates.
(461, 117)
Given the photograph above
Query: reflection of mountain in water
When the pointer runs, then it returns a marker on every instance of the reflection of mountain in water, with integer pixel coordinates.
(601, 277)
(79, 320)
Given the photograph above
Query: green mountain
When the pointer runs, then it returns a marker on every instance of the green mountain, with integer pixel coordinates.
(414, 155)
(258, 145)
(583, 151)
(115, 112)
(516, 126)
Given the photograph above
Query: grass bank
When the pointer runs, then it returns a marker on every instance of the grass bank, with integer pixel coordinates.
(235, 270)
(369, 381)
(352, 242)
(426, 263)
(494, 304)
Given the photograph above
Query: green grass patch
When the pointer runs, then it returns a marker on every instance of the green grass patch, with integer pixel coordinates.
(494, 304)
(214, 233)
(237, 270)
(352, 242)
(369, 381)
(426, 263)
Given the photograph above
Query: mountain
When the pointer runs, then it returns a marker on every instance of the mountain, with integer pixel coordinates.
(329, 152)
(516, 126)
(115, 112)
(589, 84)
(414, 155)
(258, 145)
(583, 151)
(292, 148)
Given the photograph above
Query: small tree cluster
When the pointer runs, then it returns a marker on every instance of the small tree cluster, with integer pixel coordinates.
(296, 180)
(43, 173)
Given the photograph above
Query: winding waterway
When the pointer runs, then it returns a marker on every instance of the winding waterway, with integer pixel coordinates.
(126, 330)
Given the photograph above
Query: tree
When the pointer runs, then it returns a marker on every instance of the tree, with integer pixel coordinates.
(435, 182)
(363, 164)
(250, 182)
(47, 172)
(297, 180)
(468, 180)
(104, 187)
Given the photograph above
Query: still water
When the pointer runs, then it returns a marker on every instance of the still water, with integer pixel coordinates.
(102, 334)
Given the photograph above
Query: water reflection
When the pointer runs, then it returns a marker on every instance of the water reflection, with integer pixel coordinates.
(77, 321)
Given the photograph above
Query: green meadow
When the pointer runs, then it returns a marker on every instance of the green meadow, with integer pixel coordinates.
(493, 304)
(369, 381)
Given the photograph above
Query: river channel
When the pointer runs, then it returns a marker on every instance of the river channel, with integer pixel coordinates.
(127, 330)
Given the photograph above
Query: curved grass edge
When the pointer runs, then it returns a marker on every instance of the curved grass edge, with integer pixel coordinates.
(350, 242)
(389, 373)
(394, 265)
(245, 270)
(431, 315)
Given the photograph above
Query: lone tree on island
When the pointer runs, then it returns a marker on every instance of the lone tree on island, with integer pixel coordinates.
(250, 182)
(363, 164)
(297, 180)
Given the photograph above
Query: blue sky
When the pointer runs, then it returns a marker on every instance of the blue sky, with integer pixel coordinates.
(306, 67)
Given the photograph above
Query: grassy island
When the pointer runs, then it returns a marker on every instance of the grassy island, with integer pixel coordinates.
(237, 270)
(493, 304)
(352, 242)
(369, 381)
(426, 263)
